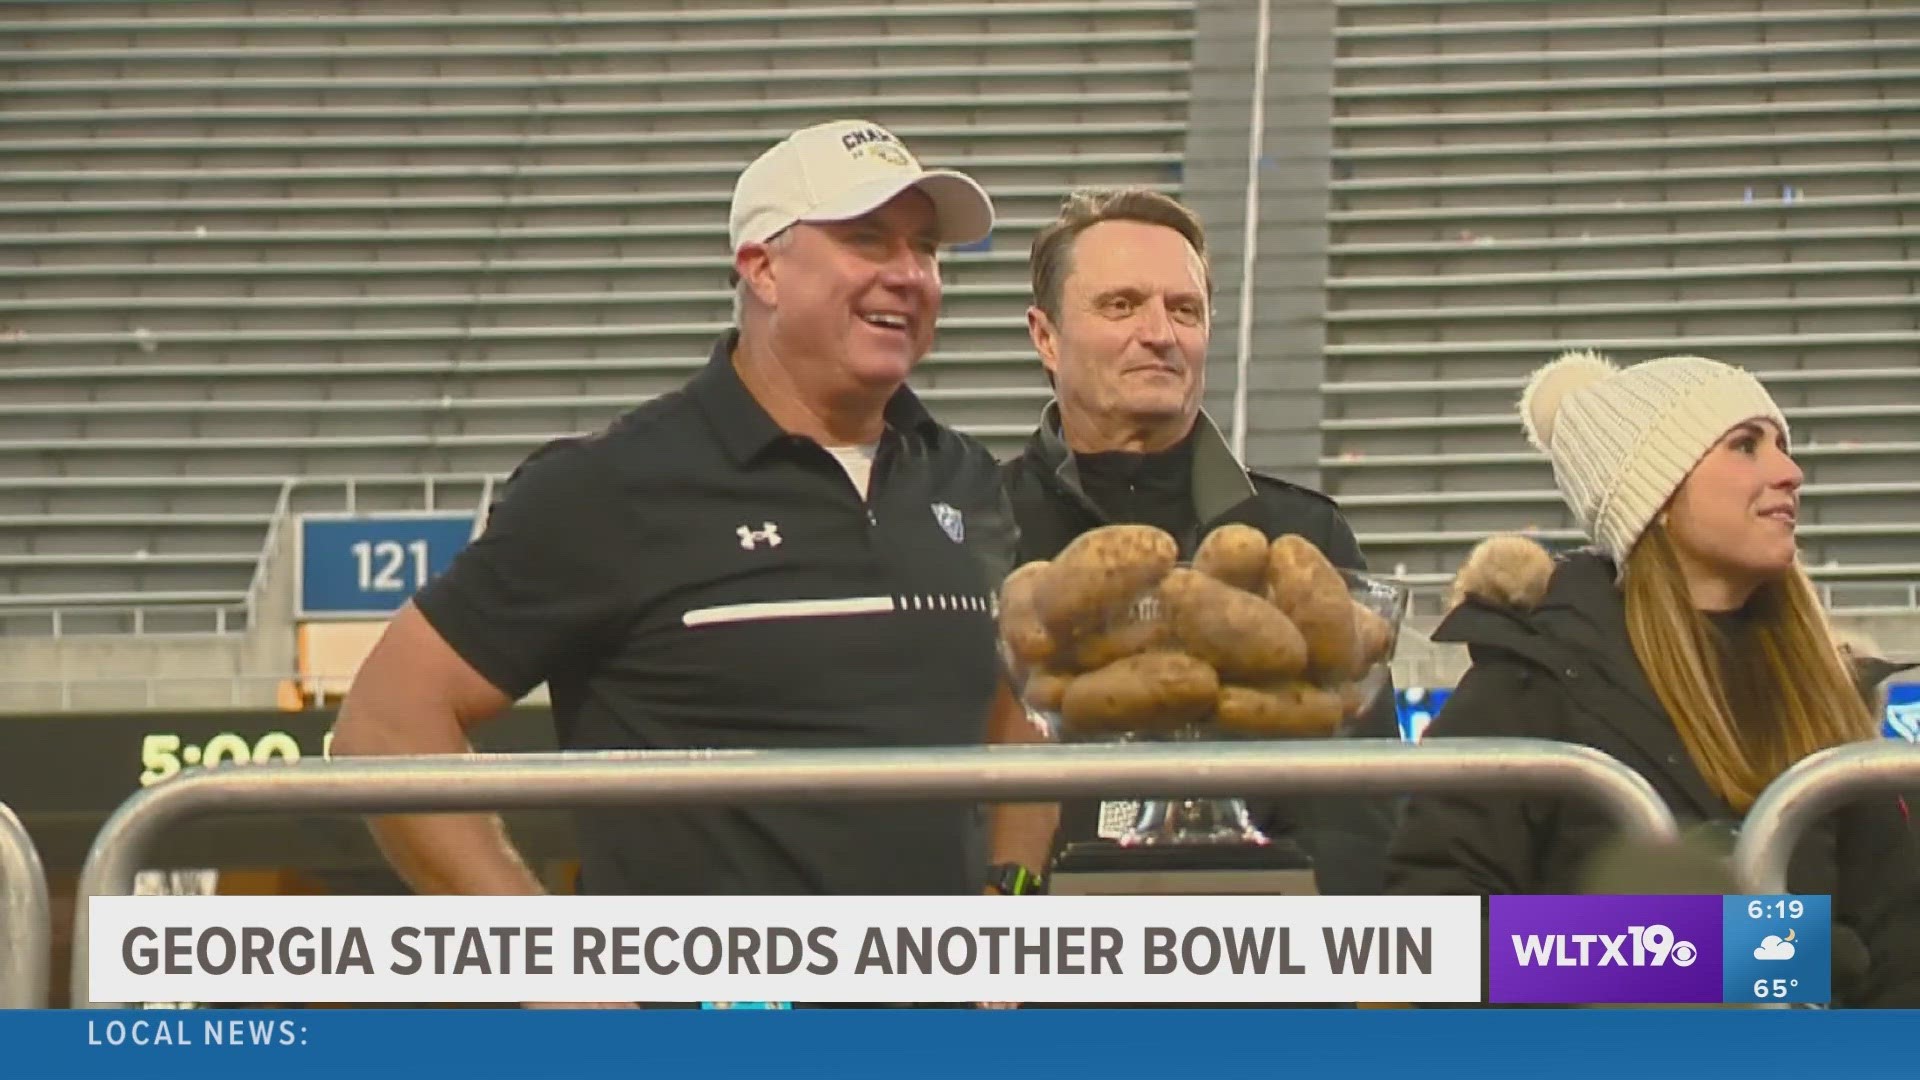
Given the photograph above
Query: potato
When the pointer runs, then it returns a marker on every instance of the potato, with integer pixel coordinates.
(1238, 634)
(1138, 633)
(1148, 692)
(1333, 642)
(1302, 583)
(1299, 574)
(1020, 626)
(1045, 689)
(1235, 554)
(1102, 574)
(1376, 636)
(1294, 709)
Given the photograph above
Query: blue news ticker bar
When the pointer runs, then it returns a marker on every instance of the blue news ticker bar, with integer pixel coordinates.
(931, 1044)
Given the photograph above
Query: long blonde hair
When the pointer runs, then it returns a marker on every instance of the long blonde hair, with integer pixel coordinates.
(1807, 700)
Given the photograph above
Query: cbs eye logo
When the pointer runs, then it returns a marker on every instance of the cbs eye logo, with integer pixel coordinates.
(1657, 942)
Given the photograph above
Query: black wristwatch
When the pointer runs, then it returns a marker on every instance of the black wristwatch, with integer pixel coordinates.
(1012, 879)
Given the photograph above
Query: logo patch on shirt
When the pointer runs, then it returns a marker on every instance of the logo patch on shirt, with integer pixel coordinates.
(950, 520)
(768, 533)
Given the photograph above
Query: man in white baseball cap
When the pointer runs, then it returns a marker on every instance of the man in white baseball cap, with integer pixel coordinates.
(844, 169)
(836, 232)
(787, 551)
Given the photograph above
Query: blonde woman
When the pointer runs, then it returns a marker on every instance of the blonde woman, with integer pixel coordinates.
(1686, 641)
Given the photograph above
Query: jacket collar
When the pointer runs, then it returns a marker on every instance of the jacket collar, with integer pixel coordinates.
(1220, 481)
(743, 425)
(1573, 624)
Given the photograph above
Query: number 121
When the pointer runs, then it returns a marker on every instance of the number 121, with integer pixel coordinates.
(391, 556)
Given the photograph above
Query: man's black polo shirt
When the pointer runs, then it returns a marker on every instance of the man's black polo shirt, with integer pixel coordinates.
(694, 577)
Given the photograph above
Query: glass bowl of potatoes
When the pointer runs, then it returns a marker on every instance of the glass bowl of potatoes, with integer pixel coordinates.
(1118, 639)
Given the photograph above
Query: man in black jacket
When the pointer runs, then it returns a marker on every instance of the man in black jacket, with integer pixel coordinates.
(1120, 318)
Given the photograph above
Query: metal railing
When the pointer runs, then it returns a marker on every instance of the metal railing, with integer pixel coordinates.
(108, 692)
(495, 782)
(222, 613)
(1808, 791)
(26, 929)
(269, 543)
(1843, 590)
(144, 615)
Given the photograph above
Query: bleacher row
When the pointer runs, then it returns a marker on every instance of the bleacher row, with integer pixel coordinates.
(1737, 180)
(242, 243)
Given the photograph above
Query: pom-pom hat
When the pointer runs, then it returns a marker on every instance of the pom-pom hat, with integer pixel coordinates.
(1622, 440)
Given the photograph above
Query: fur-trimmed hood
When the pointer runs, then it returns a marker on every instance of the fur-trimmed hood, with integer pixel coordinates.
(1512, 571)
(1562, 619)
(1562, 613)
(1508, 570)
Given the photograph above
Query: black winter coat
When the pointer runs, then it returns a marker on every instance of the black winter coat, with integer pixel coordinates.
(1564, 669)
(1345, 836)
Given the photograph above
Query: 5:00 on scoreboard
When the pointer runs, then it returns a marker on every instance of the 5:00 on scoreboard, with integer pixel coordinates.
(163, 755)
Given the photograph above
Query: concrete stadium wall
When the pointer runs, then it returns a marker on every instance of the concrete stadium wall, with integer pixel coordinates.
(1288, 300)
(137, 672)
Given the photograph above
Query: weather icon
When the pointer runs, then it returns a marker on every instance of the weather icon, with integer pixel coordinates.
(1774, 947)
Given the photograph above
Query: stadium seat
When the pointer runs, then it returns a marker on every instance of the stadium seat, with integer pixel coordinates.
(252, 246)
(1514, 180)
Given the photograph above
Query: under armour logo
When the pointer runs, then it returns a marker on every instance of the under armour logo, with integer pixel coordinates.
(751, 537)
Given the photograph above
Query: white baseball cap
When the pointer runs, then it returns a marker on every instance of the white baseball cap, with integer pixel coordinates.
(840, 170)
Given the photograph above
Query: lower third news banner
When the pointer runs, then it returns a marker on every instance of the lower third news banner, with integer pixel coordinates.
(798, 949)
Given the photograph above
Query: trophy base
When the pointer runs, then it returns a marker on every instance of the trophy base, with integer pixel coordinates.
(1191, 822)
(1103, 868)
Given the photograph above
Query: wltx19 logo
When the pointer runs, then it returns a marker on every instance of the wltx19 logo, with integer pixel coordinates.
(1640, 946)
(1600, 950)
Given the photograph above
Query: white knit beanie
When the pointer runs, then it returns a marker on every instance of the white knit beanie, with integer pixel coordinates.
(1623, 440)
